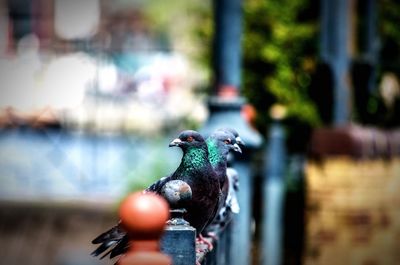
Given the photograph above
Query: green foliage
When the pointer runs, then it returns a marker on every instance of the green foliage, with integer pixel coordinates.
(279, 57)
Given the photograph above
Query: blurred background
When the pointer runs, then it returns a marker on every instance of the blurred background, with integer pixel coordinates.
(92, 91)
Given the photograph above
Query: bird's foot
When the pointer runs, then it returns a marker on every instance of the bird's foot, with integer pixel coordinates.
(201, 248)
(200, 239)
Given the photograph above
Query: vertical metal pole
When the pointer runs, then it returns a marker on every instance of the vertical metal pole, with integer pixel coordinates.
(241, 224)
(372, 41)
(335, 23)
(225, 104)
(225, 111)
(20, 12)
(179, 243)
(273, 194)
(227, 44)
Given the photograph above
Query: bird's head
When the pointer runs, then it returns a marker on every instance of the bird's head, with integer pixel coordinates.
(188, 138)
(239, 140)
(226, 140)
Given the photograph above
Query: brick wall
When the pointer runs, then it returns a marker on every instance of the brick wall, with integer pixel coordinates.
(353, 211)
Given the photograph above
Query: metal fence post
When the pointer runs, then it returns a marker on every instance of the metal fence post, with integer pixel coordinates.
(144, 216)
(225, 111)
(241, 236)
(335, 28)
(273, 196)
(179, 237)
(178, 242)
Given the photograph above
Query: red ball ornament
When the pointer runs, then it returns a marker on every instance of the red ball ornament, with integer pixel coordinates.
(144, 215)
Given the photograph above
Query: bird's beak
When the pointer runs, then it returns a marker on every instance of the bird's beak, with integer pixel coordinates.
(240, 141)
(175, 142)
(236, 148)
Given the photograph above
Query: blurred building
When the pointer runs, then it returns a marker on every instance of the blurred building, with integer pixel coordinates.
(89, 90)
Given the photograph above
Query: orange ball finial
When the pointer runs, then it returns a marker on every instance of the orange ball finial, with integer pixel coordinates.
(144, 215)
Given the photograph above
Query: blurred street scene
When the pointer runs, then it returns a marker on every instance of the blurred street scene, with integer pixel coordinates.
(92, 92)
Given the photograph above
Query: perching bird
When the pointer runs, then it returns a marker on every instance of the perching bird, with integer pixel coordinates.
(116, 239)
(219, 144)
(229, 208)
(232, 174)
(215, 159)
(114, 242)
(196, 170)
(239, 140)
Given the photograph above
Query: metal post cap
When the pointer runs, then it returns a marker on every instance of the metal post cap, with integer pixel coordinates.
(144, 215)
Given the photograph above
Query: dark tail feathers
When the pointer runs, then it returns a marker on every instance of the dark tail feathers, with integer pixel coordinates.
(113, 242)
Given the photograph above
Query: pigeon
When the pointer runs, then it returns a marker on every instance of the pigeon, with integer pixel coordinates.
(239, 140)
(195, 169)
(216, 158)
(228, 209)
(113, 242)
(219, 144)
(233, 175)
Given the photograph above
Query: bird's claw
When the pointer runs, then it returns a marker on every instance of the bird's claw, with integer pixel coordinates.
(206, 242)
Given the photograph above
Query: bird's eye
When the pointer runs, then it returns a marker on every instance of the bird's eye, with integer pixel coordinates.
(227, 141)
(190, 139)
